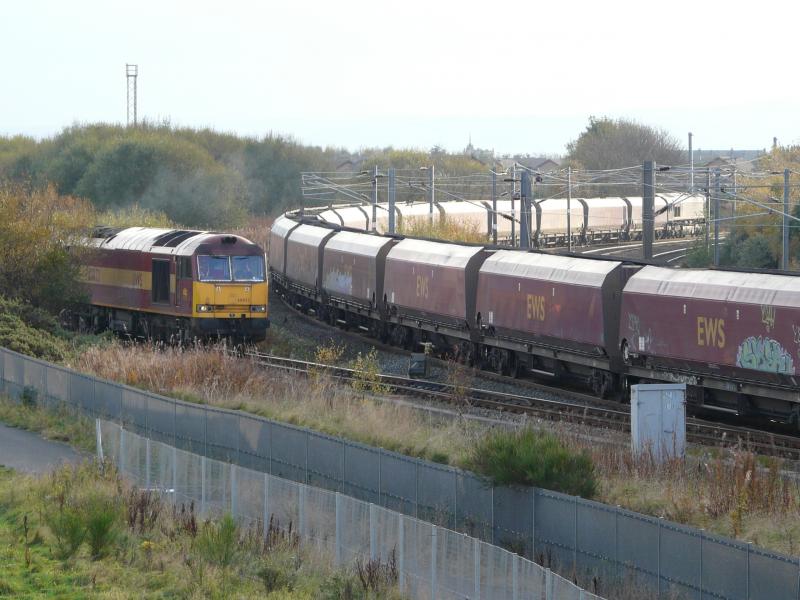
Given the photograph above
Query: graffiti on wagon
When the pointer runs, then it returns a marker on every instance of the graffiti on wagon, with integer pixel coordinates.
(764, 354)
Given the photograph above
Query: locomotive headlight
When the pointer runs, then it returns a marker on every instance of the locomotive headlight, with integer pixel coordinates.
(258, 308)
(204, 308)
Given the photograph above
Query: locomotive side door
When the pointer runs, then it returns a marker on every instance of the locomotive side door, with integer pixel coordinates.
(183, 287)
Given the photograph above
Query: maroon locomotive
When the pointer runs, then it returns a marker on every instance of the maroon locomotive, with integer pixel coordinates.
(174, 284)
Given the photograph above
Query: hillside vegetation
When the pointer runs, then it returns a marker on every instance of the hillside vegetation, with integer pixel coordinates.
(197, 177)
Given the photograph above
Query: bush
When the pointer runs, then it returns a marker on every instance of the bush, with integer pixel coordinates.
(534, 458)
(16, 335)
(367, 378)
(37, 230)
(102, 516)
(218, 542)
(67, 526)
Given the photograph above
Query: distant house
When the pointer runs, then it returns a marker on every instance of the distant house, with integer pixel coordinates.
(539, 164)
(547, 165)
(726, 163)
(349, 165)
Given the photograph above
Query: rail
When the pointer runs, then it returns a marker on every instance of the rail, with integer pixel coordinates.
(608, 417)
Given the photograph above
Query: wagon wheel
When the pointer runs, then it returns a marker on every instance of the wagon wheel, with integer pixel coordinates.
(626, 352)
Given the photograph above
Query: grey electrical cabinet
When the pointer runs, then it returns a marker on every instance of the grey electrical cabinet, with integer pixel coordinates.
(658, 420)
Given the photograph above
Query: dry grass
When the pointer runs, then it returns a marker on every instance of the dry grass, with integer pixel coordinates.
(211, 377)
(256, 230)
(729, 492)
(443, 228)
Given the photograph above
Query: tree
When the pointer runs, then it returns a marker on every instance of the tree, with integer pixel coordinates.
(755, 253)
(612, 144)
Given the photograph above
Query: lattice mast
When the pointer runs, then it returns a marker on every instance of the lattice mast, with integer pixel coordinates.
(131, 74)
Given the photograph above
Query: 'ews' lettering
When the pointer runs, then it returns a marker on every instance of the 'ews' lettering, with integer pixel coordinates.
(422, 286)
(710, 332)
(535, 307)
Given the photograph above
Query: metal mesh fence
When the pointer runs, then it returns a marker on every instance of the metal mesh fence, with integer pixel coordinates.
(578, 538)
(432, 562)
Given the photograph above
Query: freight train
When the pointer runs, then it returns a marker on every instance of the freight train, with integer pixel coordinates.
(170, 284)
(731, 337)
(591, 219)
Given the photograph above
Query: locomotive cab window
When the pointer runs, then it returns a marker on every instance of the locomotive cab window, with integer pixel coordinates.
(214, 268)
(248, 268)
(160, 281)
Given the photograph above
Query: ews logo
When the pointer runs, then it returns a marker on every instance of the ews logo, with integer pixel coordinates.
(535, 308)
(422, 286)
(710, 332)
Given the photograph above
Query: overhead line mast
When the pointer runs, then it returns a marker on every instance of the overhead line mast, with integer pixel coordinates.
(131, 75)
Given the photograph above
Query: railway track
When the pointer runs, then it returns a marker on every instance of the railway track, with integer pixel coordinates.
(578, 411)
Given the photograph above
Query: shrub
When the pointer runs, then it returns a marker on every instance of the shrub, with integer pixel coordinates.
(102, 516)
(218, 542)
(367, 378)
(68, 527)
(530, 457)
(17, 335)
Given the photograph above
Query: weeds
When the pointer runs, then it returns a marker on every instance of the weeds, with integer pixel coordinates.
(375, 575)
(459, 377)
(367, 377)
(53, 423)
(443, 228)
(218, 544)
(709, 489)
(67, 535)
(529, 457)
(143, 510)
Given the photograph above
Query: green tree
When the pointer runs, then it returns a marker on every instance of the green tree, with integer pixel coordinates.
(616, 143)
(755, 253)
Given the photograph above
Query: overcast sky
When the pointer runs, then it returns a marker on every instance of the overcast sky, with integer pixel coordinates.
(516, 76)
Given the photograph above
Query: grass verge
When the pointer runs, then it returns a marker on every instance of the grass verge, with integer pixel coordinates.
(727, 491)
(81, 532)
(60, 424)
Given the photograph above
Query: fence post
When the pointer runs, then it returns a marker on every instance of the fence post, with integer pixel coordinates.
(616, 542)
(380, 480)
(98, 439)
(533, 524)
(515, 577)
(344, 465)
(491, 535)
(701, 563)
(301, 512)
(749, 545)
(373, 532)
(305, 476)
(174, 475)
(266, 505)
(338, 528)
(658, 579)
(147, 463)
(121, 449)
(234, 487)
(434, 544)
(455, 501)
(548, 585)
(202, 486)
(476, 555)
(416, 488)
(401, 554)
(575, 540)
